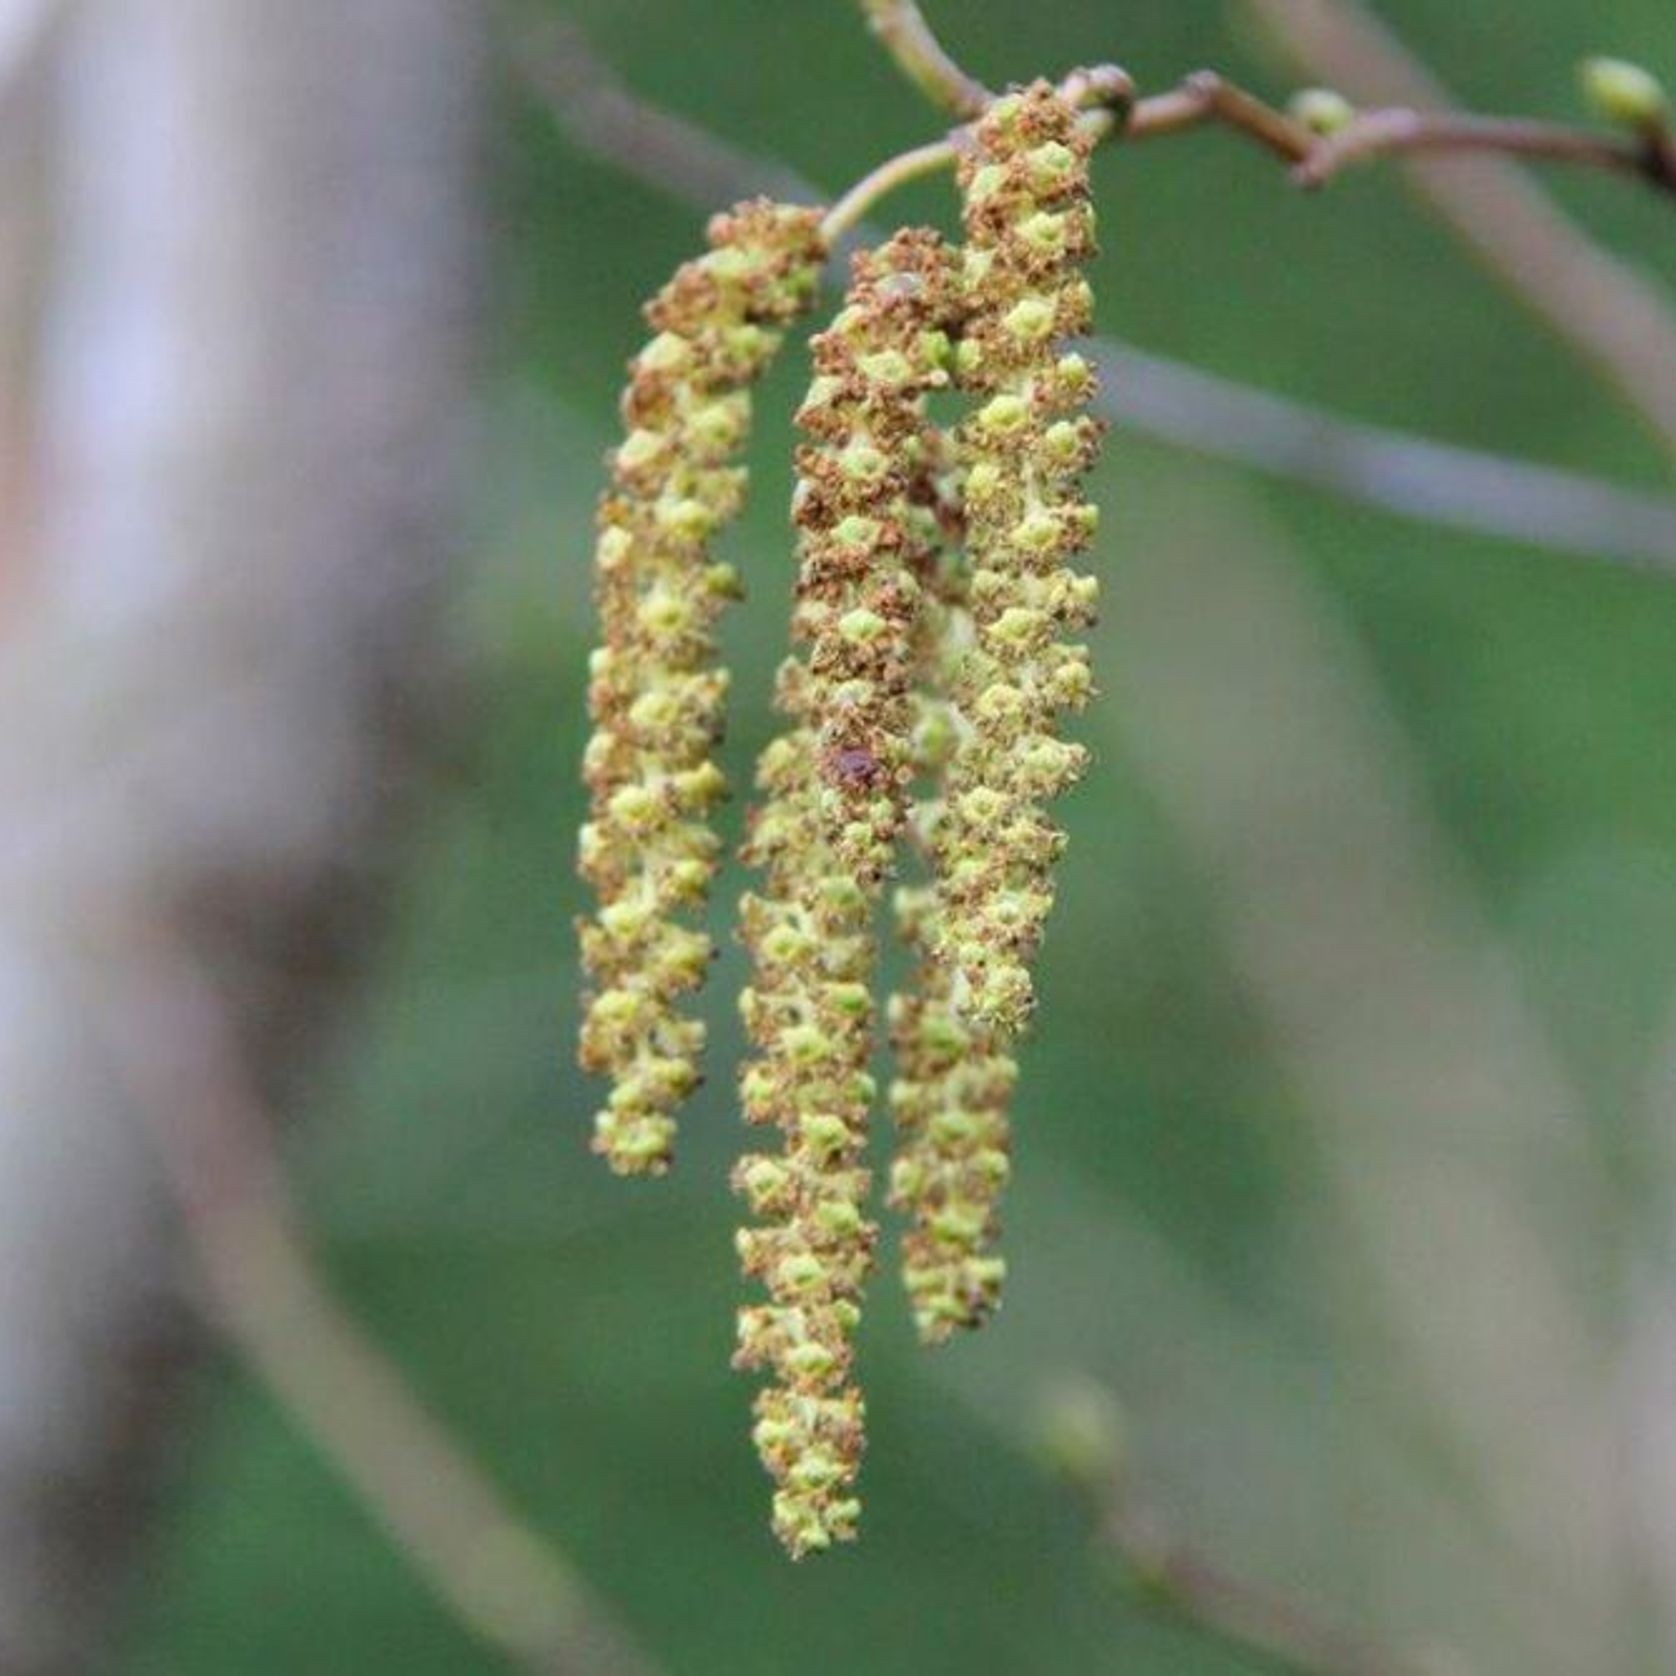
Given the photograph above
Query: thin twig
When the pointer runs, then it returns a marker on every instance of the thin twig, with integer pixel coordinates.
(1206, 97)
(1486, 494)
(1179, 1581)
(494, 1572)
(1387, 133)
(851, 209)
(1608, 313)
(909, 39)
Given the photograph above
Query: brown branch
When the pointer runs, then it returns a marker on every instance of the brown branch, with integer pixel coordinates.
(1387, 133)
(1206, 97)
(1486, 494)
(1369, 135)
(497, 1575)
(1609, 314)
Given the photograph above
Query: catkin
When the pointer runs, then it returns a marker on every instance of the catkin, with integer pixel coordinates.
(861, 535)
(835, 788)
(993, 678)
(1023, 449)
(953, 1080)
(656, 693)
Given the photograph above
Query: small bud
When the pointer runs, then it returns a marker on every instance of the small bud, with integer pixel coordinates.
(639, 449)
(689, 519)
(824, 1133)
(861, 626)
(1003, 415)
(983, 481)
(838, 1216)
(1051, 166)
(889, 367)
(863, 463)
(611, 552)
(1030, 318)
(808, 1362)
(1321, 110)
(855, 530)
(1624, 93)
(1080, 1435)
(667, 352)
(1044, 231)
(804, 1272)
(1074, 378)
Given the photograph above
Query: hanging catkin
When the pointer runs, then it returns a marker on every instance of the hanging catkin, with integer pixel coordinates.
(834, 790)
(656, 692)
(1023, 448)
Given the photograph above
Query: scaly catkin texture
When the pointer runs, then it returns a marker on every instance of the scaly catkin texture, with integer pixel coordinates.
(953, 1078)
(656, 693)
(1023, 448)
(808, 1010)
(859, 587)
(835, 791)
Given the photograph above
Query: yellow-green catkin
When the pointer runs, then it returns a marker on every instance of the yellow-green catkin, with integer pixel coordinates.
(834, 788)
(808, 1011)
(656, 692)
(1023, 447)
(953, 1079)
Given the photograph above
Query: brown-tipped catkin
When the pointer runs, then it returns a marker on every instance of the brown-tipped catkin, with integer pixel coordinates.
(835, 790)
(656, 692)
(953, 1078)
(1023, 448)
(859, 591)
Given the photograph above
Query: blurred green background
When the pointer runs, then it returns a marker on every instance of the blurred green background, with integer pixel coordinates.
(1188, 1225)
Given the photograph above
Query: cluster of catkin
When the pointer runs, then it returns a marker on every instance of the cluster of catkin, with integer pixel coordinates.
(930, 668)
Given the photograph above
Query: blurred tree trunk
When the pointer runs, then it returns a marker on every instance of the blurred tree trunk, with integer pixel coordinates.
(218, 660)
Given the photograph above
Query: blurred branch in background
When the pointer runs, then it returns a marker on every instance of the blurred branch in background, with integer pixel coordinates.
(602, 117)
(1436, 482)
(1467, 1208)
(174, 1045)
(1487, 494)
(1608, 313)
(1177, 1581)
(1083, 1441)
